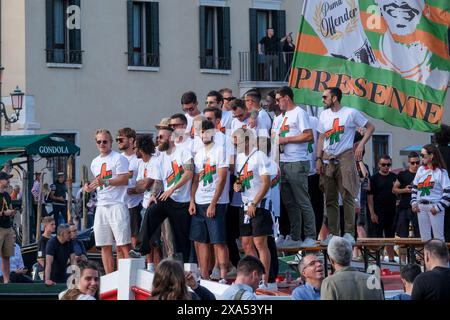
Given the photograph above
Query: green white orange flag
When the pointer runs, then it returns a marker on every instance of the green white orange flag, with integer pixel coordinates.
(389, 57)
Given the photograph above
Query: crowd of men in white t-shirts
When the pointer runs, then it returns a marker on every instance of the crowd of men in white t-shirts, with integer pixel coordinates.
(220, 174)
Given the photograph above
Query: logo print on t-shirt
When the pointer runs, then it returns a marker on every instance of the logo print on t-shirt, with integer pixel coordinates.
(310, 146)
(245, 178)
(275, 181)
(426, 186)
(284, 130)
(206, 175)
(130, 174)
(104, 174)
(175, 176)
(334, 134)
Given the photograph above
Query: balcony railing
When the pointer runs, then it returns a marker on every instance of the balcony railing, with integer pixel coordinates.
(217, 63)
(270, 67)
(64, 56)
(137, 59)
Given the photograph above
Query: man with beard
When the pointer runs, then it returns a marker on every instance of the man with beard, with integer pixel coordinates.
(173, 176)
(209, 199)
(145, 151)
(112, 220)
(335, 160)
(125, 139)
(227, 115)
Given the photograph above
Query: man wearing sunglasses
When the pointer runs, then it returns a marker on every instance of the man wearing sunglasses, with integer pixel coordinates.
(382, 203)
(403, 187)
(227, 115)
(125, 139)
(189, 104)
(182, 138)
(252, 100)
(112, 220)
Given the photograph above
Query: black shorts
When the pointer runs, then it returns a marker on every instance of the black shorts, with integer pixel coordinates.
(135, 219)
(260, 225)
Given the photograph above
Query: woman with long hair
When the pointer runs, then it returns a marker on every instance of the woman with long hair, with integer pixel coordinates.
(171, 283)
(87, 283)
(431, 193)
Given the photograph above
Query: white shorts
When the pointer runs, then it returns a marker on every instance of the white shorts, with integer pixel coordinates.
(112, 222)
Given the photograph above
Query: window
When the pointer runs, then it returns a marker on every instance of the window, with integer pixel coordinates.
(143, 34)
(215, 42)
(63, 31)
(380, 145)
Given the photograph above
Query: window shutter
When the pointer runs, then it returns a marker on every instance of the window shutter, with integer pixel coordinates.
(130, 31)
(152, 13)
(49, 29)
(75, 39)
(226, 39)
(252, 56)
(202, 36)
(279, 23)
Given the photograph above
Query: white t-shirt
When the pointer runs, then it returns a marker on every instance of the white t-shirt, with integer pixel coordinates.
(431, 185)
(264, 120)
(133, 165)
(258, 165)
(225, 122)
(207, 165)
(236, 124)
(109, 167)
(147, 169)
(190, 121)
(339, 129)
(220, 139)
(188, 144)
(171, 169)
(312, 146)
(293, 123)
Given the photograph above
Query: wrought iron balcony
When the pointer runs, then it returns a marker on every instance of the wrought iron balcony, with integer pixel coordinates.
(273, 67)
(64, 56)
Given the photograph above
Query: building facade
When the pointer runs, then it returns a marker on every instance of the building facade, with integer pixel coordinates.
(88, 64)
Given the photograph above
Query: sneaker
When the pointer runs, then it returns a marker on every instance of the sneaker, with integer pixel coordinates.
(223, 281)
(349, 238)
(279, 241)
(215, 274)
(134, 254)
(309, 243)
(232, 273)
(327, 240)
(290, 243)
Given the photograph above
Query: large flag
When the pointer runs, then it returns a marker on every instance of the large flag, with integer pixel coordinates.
(389, 57)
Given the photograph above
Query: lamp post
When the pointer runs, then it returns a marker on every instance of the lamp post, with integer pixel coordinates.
(16, 102)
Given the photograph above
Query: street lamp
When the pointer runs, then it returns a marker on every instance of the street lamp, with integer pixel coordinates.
(16, 101)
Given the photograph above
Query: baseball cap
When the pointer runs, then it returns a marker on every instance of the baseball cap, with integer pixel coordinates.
(5, 176)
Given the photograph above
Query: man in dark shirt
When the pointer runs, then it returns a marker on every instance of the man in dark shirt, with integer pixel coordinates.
(58, 197)
(269, 46)
(6, 231)
(78, 246)
(49, 228)
(403, 187)
(57, 252)
(435, 283)
(382, 204)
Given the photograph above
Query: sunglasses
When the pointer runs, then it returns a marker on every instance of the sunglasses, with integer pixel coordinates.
(324, 97)
(175, 125)
(423, 155)
(188, 109)
(238, 115)
(385, 164)
(119, 140)
(415, 162)
(160, 137)
(230, 98)
(102, 141)
(278, 99)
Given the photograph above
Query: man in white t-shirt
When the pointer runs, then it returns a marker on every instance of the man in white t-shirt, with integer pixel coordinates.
(125, 140)
(173, 178)
(252, 100)
(189, 105)
(112, 220)
(294, 133)
(145, 151)
(209, 199)
(178, 122)
(253, 171)
(335, 160)
(227, 115)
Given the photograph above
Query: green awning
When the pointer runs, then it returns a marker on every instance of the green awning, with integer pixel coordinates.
(8, 156)
(45, 145)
